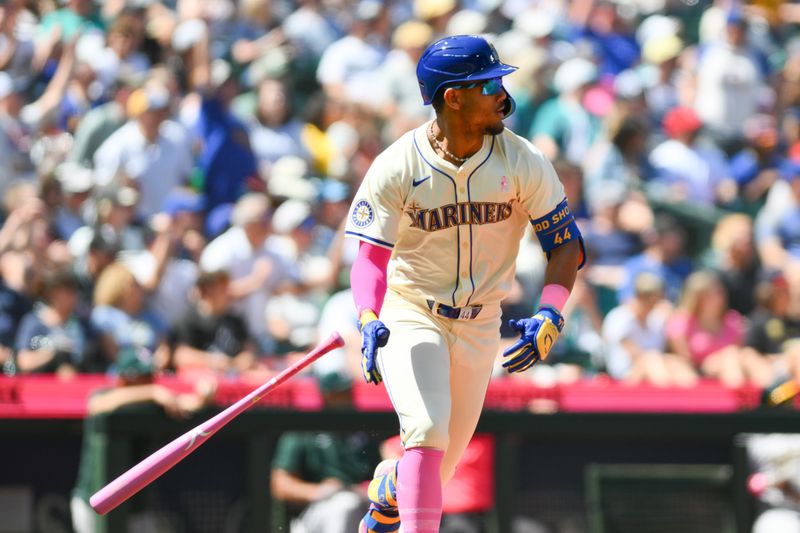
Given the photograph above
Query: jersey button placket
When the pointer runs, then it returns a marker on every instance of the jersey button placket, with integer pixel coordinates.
(465, 251)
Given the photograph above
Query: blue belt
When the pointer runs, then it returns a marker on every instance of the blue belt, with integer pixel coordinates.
(467, 313)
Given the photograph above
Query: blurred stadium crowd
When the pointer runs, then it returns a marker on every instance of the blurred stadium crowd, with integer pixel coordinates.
(174, 176)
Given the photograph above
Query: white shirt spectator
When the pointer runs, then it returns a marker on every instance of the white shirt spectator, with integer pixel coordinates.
(233, 253)
(156, 168)
(309, 30)
(270, 144)
(621, 325)
(697, 171)
(108, 66)
(728, 83)
(338, 314)
(353, 65)
(171, 298)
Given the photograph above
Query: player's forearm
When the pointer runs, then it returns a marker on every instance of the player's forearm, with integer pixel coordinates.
(188, 356)
(368, 277)
(290, 488)
(113, 399)
(562, 268)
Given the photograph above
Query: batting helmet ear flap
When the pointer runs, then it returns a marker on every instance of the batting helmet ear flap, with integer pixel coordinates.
(509, 105)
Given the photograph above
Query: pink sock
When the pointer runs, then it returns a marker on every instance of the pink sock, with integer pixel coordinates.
(419, 490)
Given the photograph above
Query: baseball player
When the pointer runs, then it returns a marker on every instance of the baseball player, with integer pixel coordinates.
(440, 214)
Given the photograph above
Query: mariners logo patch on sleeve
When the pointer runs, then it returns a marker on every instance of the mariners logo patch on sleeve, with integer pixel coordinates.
(363, 214)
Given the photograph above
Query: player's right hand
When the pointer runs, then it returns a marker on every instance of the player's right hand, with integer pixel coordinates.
(374, 335)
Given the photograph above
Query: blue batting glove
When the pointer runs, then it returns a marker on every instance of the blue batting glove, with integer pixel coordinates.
(374, 335)
(538, 334)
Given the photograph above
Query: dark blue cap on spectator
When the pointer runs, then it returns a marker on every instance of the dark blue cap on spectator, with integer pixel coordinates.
(183, 201)
(735, 17)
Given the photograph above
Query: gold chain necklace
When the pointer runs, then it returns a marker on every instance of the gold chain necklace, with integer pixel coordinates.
(454, 157)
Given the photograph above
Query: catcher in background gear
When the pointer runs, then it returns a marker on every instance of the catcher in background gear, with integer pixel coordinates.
(440, 214)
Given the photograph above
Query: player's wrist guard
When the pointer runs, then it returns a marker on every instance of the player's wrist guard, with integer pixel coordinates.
(366, 317)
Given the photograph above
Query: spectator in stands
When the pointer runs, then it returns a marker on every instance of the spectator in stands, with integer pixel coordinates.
(339, 315)
(610, 36)
(100, 122)
(292, 317)
(13, 306)
(161, 270)
(571, 177)
(664, 255)
(636, 343)
(76, 16)
(208, 335)
(21, 122)
(150, 152)
(322, 477)
(76, 184)
(735, 259)
(275, 131)
(88, 266)
(788, 230)
(614, 234)
(730, 76)
(26, 240)
(16, 44)
(349, 68)
(685, 171)
(122, 319)
(226, 159)
(758, 165)
(52, 338)
(115, 220)
(777, 222)
(122, 56)
(662, 52)
(773, 330)
(398, 75)
(256, 272)
(621, 159)
(707, 333)
(563, 127)
(135, 386)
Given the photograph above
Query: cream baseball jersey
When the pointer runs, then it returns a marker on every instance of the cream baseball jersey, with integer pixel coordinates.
(455, 232)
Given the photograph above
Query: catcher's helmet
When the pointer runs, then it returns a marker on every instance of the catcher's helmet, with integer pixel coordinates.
(459, 58)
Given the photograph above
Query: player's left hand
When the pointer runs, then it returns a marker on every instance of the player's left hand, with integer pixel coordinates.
(374, 335)
(538, 334)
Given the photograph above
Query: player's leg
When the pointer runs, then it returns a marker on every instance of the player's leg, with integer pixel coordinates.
(475, 344)
(415, 366)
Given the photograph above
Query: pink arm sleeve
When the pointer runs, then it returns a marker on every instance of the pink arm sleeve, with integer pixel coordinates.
(368, 277)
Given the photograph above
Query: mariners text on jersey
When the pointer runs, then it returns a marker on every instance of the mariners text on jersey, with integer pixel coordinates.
(459, 214)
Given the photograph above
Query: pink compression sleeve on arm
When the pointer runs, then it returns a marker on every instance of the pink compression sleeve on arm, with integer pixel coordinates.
(368, 277)
(554, 295)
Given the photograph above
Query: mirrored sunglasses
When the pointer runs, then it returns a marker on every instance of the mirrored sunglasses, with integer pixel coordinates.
(488, 87)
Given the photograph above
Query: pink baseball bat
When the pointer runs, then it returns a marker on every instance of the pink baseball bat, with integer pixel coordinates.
(150, 468)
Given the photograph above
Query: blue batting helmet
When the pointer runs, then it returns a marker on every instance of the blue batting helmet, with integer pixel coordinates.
(459, 58)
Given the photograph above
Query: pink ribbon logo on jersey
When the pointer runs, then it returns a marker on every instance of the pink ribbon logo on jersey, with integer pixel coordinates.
(504, 184)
